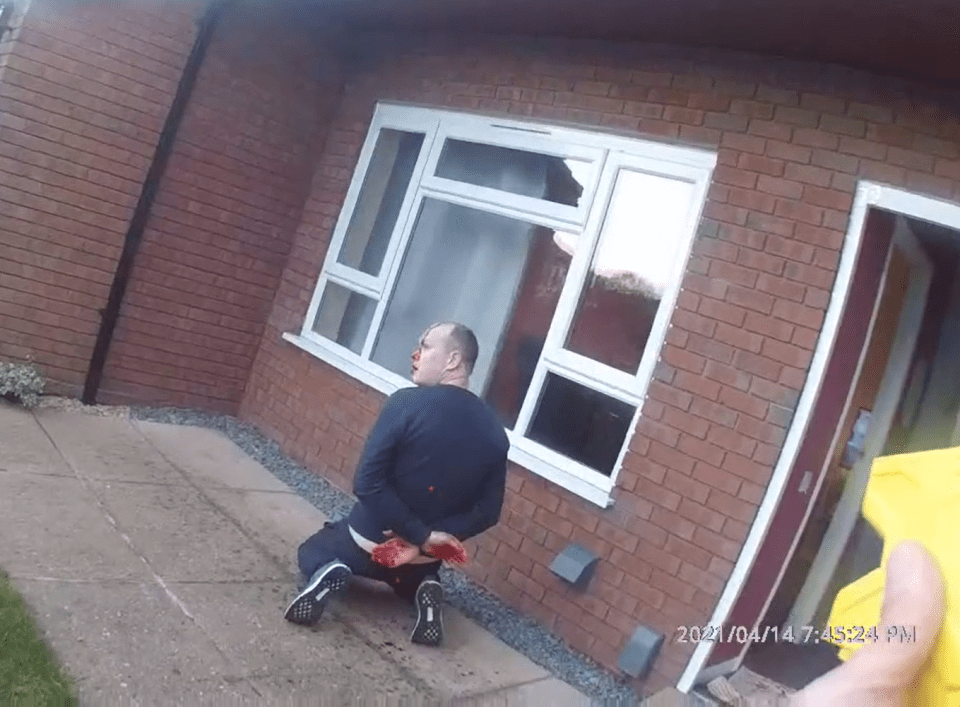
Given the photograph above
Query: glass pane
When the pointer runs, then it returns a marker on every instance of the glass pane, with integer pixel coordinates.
(384, 186)
(344, 316)
(580, 423)
(631, 269)
(497, 275)
(516, 171)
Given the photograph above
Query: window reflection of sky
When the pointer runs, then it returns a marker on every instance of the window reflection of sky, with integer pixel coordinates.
(642, 227)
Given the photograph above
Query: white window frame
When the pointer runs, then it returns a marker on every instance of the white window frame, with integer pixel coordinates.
(610, 154)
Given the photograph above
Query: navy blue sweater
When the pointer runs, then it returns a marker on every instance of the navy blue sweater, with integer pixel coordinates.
(436, 459)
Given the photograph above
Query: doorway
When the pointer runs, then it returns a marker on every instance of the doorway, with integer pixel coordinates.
(905, 397)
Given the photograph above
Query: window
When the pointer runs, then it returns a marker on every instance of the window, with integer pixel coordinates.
(562, 249)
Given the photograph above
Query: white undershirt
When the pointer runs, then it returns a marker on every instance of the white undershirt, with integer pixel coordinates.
(368, 545)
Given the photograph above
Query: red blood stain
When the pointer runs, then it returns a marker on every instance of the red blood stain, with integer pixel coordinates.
(451, 552)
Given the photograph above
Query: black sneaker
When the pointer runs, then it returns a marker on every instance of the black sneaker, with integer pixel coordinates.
(308, 606)
(429, 628)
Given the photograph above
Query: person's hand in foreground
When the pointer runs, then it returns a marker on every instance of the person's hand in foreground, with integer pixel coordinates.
(397, 551)
(880, 674)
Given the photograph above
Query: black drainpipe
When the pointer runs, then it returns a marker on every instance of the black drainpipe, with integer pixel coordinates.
(111, 313)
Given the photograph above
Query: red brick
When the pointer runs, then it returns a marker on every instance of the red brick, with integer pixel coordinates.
(790, 249)
(721, 568)
(670, 458)
(751, 493)
(728, 375)
(748, 299)
(779, 96)
(809, 275)
(621, 538)
(657, 494)
(687, 116)
(701, 450)
(771, 224)
(785, 151)
(738, 338)
(761, 431)
(786, 353)
(874, 114)
(641, 590)
(862, 148)
(721, 311)
(671, 586)
(766, 455)
(718, 414)
(744, 143)
(808, 137)
(752, 109)
(805, 338)
(763, 165)
(642, 109)
(798, 314)
(833, 160)
(756, 365)
(829, 198)
(736, 177)
(896, 135)
(550, 521)
(700, 514)
(735, 530)
(717, 544)
(761, 261)
(881, 171)
(796, 116)
(949, 169)
(657, 431)
(732, 507)
(747, 468)
(710, 101)
(769, 326)
(703, 136)
(928, 184)
(781, 288)
(799, 211)
(697, 574)
(780, 187)
(669, 96)
(726, 213)
(843, 126)
(771, 129)
(726, 122)
(579, 638)
(520, 563)
(732, 441)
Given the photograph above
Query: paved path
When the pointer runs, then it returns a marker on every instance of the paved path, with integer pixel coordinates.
(158, 560)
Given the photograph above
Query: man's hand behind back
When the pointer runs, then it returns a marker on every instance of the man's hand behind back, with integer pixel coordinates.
(445, 547)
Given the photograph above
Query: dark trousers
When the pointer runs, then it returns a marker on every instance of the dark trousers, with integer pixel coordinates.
(334, 542)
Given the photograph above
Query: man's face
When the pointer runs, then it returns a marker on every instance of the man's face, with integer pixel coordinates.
(431, 357)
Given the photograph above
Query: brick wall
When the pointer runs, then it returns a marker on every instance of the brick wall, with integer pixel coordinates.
(222, 224)
(84, 91)
(792, 141)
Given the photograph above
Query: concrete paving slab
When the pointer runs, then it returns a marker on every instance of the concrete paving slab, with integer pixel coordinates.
(25, 447)
(549, 691)
(107, 448)
(119, 639)
(183, 536)
(246, 622)
(51, 526)
(278, 522)
(308, 689)
(208, 457)
(470, 661)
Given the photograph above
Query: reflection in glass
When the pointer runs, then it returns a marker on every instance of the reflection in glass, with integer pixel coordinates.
(582, 424)
(378, 205)
(634, 261)
(344, 316)
(514, 171)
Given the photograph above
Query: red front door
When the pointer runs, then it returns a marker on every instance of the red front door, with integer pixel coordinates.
(815, 445)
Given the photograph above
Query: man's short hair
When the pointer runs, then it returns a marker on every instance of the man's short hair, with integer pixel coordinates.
(464, 340)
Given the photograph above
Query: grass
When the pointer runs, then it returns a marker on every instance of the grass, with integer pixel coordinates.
(29, 672)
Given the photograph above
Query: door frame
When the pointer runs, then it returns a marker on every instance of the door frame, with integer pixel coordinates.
(868, 195)
(885, 406)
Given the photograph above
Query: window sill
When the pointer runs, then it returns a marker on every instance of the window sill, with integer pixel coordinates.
(522, 451)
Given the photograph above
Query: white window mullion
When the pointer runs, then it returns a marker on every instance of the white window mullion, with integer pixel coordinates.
(392, 270)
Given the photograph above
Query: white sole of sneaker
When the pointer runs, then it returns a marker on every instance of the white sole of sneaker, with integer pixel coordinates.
(428, 630)
(307, 607)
